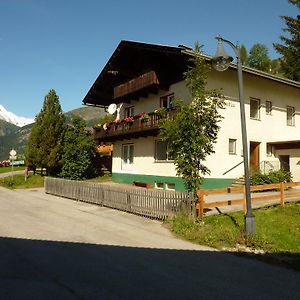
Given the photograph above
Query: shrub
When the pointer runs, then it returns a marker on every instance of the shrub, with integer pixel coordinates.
(272, 177)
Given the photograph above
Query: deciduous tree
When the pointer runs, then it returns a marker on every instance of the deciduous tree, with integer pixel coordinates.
(78, 151)
(193, 132)
(259, 58)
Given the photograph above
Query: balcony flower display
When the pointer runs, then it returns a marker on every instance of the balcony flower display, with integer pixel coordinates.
(128, 120)
(144, 117)
(161, 112)
(98, 126)
(117, 121)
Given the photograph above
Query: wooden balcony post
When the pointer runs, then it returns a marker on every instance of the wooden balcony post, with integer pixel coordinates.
(282, 193)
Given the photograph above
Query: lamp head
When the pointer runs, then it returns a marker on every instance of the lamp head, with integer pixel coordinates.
(221, 60)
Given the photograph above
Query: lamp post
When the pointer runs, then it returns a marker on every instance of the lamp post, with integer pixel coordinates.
(221, 62)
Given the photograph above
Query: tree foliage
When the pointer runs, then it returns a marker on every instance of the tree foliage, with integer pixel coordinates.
(78, 152)
(290, 48)
(244, 55)
(193, 132)
(44, 147)
(259, 57)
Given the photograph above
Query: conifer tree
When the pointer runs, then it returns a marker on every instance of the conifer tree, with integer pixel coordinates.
(290, 49)
(44, 148)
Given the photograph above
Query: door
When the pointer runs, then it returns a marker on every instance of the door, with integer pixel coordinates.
(254, 156)
(284, 162)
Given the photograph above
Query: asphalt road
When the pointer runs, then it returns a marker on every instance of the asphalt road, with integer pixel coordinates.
(55, 248)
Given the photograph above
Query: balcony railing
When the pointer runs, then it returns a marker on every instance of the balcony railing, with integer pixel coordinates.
(136, 84)
(138, 127)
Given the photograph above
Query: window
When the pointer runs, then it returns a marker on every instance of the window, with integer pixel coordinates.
(255, 109)
(128, 152)
(268, 108)
(269, 150)
(290, 115)
(170, 186)
(232, 146)
(129, 112)
(161, 151)
(159, 185)
(167, 101)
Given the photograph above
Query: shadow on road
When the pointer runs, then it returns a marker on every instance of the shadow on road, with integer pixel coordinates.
(35, 269)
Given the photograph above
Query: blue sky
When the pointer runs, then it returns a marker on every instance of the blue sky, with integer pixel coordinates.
(64, 44)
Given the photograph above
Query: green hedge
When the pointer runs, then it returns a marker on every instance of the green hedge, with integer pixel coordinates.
(272, 177)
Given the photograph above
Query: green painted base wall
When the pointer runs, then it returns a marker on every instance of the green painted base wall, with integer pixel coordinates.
(209, 183)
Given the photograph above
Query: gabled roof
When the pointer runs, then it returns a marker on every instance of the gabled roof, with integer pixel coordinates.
(132, 59)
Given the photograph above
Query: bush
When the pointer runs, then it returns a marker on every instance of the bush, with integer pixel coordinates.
(272, 177)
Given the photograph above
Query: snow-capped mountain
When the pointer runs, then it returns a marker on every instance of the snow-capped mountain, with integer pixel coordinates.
(13, 119)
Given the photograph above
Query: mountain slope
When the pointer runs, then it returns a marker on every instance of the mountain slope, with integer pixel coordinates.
(12, 118)
(15, 137)
(7, 128)
(90, 114)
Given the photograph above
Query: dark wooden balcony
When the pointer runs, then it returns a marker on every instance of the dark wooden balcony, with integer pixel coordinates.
(139, 127)
(141, 84)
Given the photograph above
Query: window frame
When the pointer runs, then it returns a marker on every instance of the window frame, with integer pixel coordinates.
(167, 159)
(290, 121)
(269, 150)
(168, 98)
(269, 108)
(128, 154)
(258, 108)
(129, 111)
(232, 142)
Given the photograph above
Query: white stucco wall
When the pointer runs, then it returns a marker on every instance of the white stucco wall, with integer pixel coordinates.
(270, 128)
(144, 161)
(152, 102)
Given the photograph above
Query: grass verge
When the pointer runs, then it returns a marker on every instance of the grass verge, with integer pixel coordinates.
(8, 169)
(103, 178)
(277, 232)
(18, 181)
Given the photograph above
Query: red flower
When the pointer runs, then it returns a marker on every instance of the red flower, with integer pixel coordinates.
(128, 119)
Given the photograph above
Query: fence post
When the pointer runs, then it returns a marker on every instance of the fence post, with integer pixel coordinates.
(128, 202)
(201, 206)
(282, 193)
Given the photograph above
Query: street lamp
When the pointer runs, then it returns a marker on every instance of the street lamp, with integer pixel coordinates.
(221, 62)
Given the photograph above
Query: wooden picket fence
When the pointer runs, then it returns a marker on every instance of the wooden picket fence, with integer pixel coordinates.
(281, 195)
(155, 204)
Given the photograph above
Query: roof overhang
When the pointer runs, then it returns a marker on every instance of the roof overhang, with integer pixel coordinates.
(295, 144)
(131, 61)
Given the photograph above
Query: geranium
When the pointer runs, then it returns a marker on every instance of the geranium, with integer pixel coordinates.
(144, 116)
(128, 120)
(161, 112)
(117, 121)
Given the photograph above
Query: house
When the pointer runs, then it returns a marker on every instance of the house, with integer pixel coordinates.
(141, 78)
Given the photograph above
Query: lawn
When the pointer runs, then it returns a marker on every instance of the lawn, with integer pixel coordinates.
(277, 231)
(36, 181)
(18, 181)
(8, 169)
(100, 179)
